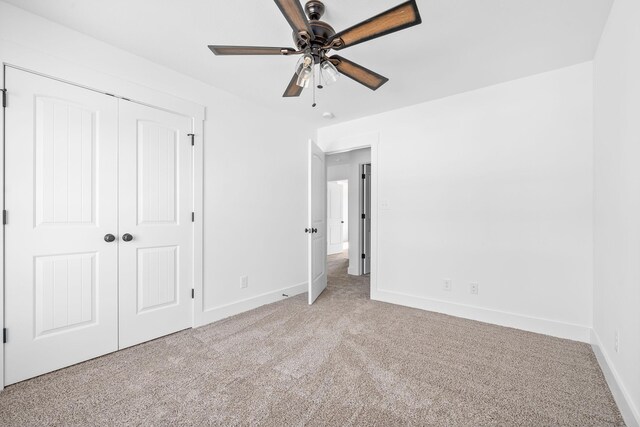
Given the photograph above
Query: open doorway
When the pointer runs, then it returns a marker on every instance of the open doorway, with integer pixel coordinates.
(348, 218)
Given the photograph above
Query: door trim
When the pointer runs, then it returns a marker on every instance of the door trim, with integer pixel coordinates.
(30, 61)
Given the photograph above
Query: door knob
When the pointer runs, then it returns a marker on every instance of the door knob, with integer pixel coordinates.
(109, 238)
(127, 237)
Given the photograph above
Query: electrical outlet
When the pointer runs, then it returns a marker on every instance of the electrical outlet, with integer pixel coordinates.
(616, 342)
(473, 288)
(447, 285)
(244, 282)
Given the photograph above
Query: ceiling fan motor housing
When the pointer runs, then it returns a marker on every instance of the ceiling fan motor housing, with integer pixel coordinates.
(322, 31)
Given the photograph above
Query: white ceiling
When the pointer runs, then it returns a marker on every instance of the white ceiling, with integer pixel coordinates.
(461, 45)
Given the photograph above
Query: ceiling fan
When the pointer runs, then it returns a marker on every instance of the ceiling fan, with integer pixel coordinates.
(315, 38)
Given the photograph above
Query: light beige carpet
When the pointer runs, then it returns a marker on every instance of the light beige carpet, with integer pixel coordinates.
(344, 361)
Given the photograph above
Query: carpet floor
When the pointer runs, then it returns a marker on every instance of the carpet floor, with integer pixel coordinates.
(346, 360)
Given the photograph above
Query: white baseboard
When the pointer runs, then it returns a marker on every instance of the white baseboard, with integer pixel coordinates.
(629, 412)
(221, 312)
(502, 318)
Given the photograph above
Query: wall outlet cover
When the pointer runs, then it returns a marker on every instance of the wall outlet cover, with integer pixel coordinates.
(473, 288)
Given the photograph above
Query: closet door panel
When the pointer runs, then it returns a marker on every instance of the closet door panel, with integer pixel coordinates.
(61, 197)
(155, 211)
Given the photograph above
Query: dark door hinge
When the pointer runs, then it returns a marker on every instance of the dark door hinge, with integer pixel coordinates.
(363, 256)
(364, 176)
(4, 217)
(364, 216)
(4, 336)
(4, 97)
(193, 293)
(193, 138)
(193, 217)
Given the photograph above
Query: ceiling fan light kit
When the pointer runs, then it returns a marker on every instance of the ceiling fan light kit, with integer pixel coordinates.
(314, 39)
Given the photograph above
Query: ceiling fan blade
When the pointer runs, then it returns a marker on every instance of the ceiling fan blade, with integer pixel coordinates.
(250, 50)
(292, 11)
(358, 73)
(395, 19)
(293, 89)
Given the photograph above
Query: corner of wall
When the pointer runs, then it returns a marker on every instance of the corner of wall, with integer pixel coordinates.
(629, 412)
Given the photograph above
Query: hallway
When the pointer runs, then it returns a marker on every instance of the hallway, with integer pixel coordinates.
(340, 285)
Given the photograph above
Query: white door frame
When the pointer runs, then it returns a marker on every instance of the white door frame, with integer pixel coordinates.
(371, 141)
(37, 62)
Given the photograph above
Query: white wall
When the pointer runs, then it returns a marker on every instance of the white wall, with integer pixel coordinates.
(346, 165)
(255, 213)
(493, 186)
(617, 200)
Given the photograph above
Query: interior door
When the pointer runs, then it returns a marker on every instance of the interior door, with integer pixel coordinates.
(318, 222)
(335, 220)
(61, 198)
(155, 258)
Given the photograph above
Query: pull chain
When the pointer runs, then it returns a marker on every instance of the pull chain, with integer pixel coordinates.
(313, 76)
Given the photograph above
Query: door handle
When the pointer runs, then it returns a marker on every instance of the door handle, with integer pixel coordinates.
(109, 238)
(314, 230)
(127, 237)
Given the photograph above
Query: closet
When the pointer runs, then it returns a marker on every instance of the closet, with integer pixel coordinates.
(99, 235)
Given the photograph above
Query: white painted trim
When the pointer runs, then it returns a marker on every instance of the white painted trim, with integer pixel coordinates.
(502, 318)
(629, 411)
(198, 226)
(221, 312)
(48, 66)
(2, 232)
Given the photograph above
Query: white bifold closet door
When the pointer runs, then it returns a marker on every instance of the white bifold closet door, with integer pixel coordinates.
(80, 166)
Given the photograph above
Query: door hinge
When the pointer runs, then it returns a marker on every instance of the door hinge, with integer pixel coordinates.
(193, 293)
(364, 216)
(4, 98)
(364, 176)
(4, 335)
(4, 217)
(193, 138)
(363, 256)
(193, 217)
